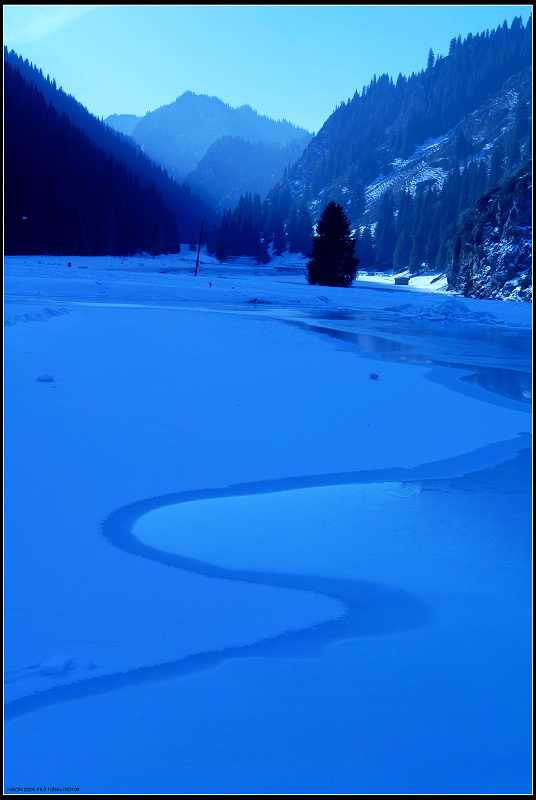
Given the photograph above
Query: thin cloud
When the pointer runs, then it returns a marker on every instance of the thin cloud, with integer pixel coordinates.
(30, 24)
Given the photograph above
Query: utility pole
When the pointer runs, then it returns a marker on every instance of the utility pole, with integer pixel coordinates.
(199, 248)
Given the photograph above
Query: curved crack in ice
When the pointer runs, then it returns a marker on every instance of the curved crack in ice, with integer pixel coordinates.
(373, 609)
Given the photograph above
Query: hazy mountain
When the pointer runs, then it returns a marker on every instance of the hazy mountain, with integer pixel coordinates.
(123, 123)
(178, 135)
(232, 167)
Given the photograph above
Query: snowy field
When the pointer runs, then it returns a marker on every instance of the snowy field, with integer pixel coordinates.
(237, 563)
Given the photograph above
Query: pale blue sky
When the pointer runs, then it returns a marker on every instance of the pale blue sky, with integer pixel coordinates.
(293, 62)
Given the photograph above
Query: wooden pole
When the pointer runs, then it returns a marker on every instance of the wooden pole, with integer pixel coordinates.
(199, 248)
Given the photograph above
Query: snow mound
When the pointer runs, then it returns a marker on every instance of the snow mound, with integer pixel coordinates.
(56, 665)
(451, 310)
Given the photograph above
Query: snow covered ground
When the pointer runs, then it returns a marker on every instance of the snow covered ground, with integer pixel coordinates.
(235, 562)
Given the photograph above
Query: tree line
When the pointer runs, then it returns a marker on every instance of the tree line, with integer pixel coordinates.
(65, 195)
(249, 229)
(387, 120)
(187, 207)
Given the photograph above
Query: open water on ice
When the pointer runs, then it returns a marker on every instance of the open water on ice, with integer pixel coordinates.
(496, 358)
(499, 359)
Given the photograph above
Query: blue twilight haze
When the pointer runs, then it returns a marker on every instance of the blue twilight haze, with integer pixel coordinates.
(292, 62)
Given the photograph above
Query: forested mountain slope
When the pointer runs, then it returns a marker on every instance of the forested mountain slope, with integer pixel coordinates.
(406, 158)
(233, 166)
(64, 195)
(492, 252)
(187, 207)
(122, 123)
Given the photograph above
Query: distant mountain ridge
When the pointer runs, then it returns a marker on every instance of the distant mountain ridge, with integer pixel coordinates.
(122, 123)
(179, 134)
(232, 167)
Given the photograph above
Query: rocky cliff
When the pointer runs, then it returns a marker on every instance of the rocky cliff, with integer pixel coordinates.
(492, 252)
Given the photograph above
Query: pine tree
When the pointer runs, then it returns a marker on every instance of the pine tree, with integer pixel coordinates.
(261, 253)
(402, 250)
(333, 262)
(279, 238)
(221, 246)
(385, 233)
(303, 233)
(462, 148)
(368, 255)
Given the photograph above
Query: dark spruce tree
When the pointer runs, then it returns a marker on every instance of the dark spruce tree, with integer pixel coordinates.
(333, 262)
(300, 231)
(220, 251)
(280, 239)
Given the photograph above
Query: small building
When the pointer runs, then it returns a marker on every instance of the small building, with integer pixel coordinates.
(401, 280)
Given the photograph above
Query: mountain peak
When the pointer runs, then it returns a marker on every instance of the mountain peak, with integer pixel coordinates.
(178, 135)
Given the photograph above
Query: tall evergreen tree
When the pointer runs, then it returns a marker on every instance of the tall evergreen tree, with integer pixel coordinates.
(301, 231)
(279, 237)
(368, 254)
(495, 167)
(333, 262)
(385, 233)
(220, 250)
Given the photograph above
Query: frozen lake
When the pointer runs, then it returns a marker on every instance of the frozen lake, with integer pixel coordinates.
(431, 662)
(497, 357)
(265, 572)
